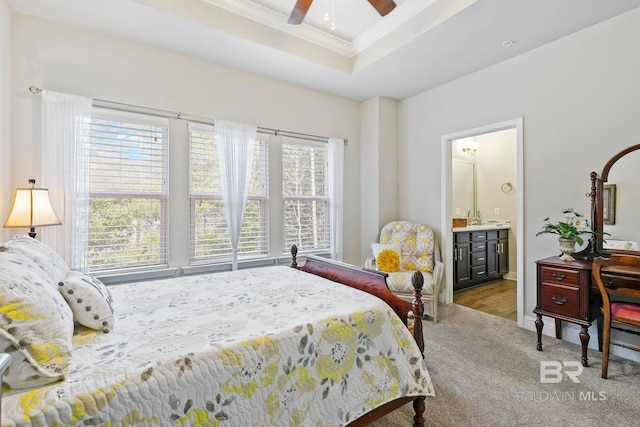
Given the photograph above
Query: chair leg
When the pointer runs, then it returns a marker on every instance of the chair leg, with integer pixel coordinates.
(435, 310)
(606, 343)
(599, 322)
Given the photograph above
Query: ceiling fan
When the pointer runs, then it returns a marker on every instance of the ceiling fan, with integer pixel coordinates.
(302, 6)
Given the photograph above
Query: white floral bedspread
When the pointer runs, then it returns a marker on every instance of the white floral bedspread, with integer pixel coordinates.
(270, 346)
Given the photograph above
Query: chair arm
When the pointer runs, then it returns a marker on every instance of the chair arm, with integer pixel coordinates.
(5, 360)
(370, 263)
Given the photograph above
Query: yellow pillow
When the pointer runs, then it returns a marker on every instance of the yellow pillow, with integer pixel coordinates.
(387, 256)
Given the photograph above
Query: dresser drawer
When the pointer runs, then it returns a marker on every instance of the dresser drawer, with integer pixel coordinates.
(561, 299)
(560, 275)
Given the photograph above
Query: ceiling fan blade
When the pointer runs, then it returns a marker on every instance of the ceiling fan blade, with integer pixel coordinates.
(383, 6)
(299, 11)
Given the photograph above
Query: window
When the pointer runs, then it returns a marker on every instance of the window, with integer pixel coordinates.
(127, 191)
(129, 178)
(209, 236)
(305, 195)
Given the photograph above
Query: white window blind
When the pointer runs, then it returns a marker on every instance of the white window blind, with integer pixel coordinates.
(128, 161)
(305, 195)
(209, 233)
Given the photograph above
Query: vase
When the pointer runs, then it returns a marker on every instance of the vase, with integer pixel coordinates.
(567, 248)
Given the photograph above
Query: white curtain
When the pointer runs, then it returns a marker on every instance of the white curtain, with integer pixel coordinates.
(336, 182)
(65, 172)
(235, 143)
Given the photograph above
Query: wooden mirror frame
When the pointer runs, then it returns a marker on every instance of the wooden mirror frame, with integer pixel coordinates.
(595, 246)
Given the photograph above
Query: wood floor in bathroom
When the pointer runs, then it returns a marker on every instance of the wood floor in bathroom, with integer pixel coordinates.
(497, 298)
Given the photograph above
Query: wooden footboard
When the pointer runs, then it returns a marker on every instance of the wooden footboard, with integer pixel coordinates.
(374, 282)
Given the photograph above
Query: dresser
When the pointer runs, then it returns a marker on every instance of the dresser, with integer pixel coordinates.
(566, 291)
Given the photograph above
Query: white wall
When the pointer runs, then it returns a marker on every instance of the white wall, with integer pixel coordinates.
(579, 99)
(60, 58)
(6, 196)
(379, 169)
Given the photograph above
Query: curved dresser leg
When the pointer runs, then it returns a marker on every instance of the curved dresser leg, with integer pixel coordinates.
(539, 325)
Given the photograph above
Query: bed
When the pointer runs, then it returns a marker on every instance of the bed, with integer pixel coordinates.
(255, 347)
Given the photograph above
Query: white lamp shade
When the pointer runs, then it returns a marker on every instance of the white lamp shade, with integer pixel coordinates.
(32, 208)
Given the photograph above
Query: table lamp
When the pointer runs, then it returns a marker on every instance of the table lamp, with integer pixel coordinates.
(32, 208)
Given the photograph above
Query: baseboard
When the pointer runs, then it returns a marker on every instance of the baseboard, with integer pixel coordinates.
(571, 333)
(512, 275)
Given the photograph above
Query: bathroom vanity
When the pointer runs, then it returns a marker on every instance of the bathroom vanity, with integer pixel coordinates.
(480, 254)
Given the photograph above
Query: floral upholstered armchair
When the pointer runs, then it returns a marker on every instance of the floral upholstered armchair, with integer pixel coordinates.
(405, 247)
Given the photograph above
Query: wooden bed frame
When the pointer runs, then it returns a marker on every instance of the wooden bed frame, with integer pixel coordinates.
(374, 282)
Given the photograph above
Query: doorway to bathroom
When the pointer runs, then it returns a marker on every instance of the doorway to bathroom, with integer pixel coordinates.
(482, 177)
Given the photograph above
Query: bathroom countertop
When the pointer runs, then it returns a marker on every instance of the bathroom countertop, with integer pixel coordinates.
(490, 226)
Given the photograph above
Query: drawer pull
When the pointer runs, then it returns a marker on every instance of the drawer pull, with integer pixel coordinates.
(559, 300)
(480, 273)
(481, 259)
(608, 283)
(559, 276)
(480, 247)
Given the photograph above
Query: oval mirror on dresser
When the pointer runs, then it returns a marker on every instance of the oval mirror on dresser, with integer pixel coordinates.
(615, 203)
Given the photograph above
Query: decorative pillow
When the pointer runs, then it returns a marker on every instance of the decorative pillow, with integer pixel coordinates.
(89, 299)
(35, 320)
(41, 254)
(387, 256)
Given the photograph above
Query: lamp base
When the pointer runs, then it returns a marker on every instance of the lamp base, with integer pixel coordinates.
(32, 232)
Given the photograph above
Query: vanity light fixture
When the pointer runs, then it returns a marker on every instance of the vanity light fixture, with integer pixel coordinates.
(470, 146)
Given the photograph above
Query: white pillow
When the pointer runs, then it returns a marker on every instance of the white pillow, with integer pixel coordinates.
(387, 256)
(89, 299)
(35, 320)
(41, 254)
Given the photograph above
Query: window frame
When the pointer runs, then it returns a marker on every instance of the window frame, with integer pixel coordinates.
(149, 121)
(326, 199)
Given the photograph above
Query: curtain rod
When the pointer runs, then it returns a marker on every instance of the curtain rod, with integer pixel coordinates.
(100, 103)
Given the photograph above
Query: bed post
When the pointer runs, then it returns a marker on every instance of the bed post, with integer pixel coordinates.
(294, 255)
(418, 408)
(417, 280)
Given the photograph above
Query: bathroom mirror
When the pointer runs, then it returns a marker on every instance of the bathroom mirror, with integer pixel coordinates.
(463, 184)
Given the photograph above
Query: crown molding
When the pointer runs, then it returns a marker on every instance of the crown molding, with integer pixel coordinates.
(278, 21)
(399, 16)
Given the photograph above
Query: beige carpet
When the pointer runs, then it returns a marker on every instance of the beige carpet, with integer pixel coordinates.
(486, 372)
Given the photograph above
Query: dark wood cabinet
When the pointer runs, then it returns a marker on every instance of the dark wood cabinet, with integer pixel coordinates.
(479, 256)
(462, 261)
(497, 253)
